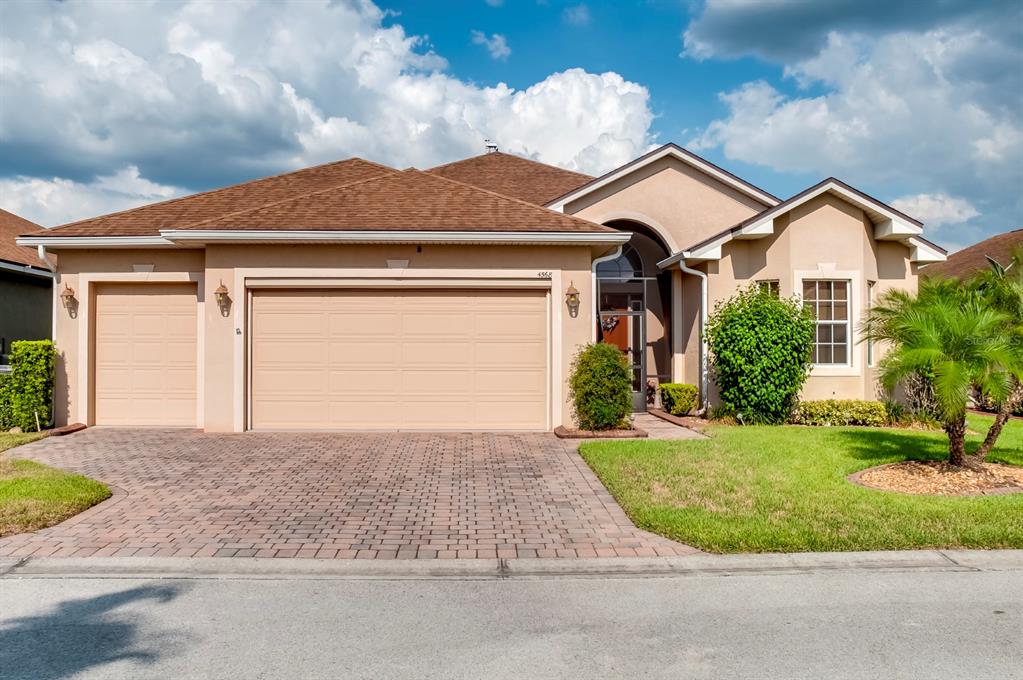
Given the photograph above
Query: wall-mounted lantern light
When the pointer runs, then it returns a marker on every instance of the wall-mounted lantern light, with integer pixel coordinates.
(572, 300)
(223, 299)
(67, 296)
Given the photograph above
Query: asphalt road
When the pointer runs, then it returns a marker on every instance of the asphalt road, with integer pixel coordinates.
(867, 624)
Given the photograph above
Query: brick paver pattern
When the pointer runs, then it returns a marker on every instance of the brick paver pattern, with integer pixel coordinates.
(335, 495)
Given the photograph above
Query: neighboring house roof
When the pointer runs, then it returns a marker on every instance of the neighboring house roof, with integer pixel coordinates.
(969, 260)
(181, 213)
(513, 176)
(12, 226)
(889, 224)
(677, 152)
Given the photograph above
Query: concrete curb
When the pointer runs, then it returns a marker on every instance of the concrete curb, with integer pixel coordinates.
(616, 567)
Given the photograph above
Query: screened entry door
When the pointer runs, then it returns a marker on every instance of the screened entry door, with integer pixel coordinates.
(625, 330)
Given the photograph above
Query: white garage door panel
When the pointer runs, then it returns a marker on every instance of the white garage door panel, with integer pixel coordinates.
(410, 359)
(145, 355)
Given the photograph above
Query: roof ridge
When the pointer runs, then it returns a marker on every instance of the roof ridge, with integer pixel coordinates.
(390, 172)
(506, 155)
(685, 152)
(223, 188)
(509, 198)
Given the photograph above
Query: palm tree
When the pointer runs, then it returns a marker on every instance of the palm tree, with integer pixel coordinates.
(1002, 287)
(949, 332)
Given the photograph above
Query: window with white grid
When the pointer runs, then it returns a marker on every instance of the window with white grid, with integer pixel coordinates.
(829, 301)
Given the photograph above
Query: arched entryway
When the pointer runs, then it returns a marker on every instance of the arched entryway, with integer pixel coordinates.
(634, 309)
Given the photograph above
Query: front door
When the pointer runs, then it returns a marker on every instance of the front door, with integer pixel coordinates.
(626, 330)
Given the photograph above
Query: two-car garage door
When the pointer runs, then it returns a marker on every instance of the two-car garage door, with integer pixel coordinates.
(407, 359)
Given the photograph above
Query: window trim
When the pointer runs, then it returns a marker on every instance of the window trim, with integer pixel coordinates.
(768, 283)
(855, 360)
(868, 303)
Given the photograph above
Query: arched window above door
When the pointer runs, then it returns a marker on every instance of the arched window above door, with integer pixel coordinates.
(628, 265)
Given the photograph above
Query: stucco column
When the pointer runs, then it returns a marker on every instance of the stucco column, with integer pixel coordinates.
(677, 341)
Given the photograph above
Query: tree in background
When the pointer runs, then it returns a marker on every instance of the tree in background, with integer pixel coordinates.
(1002, 287)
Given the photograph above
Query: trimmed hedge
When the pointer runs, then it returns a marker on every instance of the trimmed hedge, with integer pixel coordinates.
(28, 390)
(679, 399)
(6, 411)
(601, 387)
(834, 412)
(761, 349)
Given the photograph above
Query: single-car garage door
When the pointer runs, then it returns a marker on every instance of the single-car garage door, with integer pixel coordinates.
(409, 359)
(145, 355)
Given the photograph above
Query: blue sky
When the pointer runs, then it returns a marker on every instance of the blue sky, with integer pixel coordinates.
(106, 105)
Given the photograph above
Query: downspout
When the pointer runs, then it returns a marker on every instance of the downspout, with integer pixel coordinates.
(41, 251)
(704, 380)
(593, 286)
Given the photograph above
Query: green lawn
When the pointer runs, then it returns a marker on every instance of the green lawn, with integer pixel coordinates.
(783, 489)
(33, 496)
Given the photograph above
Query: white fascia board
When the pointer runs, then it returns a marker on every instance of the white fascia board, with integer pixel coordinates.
(559, 204)
(94, 241)
(25, 269)
(759, 229)
(322, 236)
(894, 230)
(897, 222)
(919, 251)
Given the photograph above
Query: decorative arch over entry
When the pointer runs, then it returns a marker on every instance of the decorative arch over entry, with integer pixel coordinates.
(667, 240)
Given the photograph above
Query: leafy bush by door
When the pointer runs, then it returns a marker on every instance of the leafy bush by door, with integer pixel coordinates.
(761, 351)
(601, 387)
(679, 399)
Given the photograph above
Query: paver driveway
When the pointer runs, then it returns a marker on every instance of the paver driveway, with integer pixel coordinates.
(329, 495)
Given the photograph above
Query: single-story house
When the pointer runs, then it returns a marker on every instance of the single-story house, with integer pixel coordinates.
(26, 286)
(356, 296)
(965, 263)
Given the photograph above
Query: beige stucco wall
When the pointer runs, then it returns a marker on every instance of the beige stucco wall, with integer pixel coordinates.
(223, 338)
(825, 238)
(671, 197)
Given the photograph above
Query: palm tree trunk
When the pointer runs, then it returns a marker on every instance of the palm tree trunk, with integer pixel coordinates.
(1008, 406)
(956, 431)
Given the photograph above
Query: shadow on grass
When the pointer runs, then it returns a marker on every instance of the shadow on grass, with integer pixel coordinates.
(77, 635)
(884, 445)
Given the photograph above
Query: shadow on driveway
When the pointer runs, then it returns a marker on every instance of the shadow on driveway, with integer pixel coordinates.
(77, 635)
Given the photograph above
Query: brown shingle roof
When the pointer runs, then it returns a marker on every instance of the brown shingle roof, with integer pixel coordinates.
(182, 213)
(513, 176)
(12, 226)
(410, 200)
(969, 260)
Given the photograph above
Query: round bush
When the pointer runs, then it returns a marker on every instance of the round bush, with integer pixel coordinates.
(761, 352)
(601, 387)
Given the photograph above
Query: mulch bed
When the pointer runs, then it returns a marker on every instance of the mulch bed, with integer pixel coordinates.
(566, 433)
(937, 478)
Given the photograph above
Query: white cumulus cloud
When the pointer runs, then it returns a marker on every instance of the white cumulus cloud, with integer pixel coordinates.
(496, 44)
(54, 201)
(936, 209)
(202, 94)
(937, 113)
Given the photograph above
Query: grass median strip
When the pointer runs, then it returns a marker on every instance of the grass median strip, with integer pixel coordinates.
(784, 489)
(34, 496)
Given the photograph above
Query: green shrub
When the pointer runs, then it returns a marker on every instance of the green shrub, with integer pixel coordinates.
(895, 413)
(601, 387)
(31, 383)
(834, 412)
(679, 399)
(761, 351)
(6, 412)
